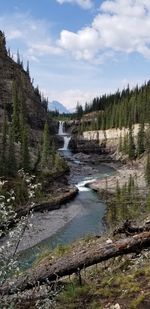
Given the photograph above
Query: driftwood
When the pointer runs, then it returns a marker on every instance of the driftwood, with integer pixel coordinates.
(75, 261)
(129, 228)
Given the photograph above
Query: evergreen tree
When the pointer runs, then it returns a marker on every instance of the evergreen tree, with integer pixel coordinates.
(3, 156)
(15, 116)
(18, 58)
(147, 170)
(131, 185)
(122, 108)
(141, 140)
(60, 163)
(46, 146)
(125, 146)
(147, 139)
(53, 152)
(120, 147)
(79, 111)
(131, 150)
(12, 165)
(25, 155)
(28, 69)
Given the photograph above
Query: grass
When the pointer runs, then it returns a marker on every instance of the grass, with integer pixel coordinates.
(107, 284)
(73, 296)
(136, 302)
(48, 255)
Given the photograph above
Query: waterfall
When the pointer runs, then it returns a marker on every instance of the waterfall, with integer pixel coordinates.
(66, 142)
(61, 126)
(64, 135)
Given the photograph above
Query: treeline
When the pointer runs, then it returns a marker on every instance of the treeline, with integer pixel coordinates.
(127, 202)
(118, 110)
(43, 100)
(15, 149)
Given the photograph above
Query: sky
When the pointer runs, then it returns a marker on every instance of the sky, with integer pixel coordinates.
(79, 49)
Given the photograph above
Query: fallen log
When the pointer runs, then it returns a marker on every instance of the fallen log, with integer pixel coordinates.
(129, 228)
(75, 261)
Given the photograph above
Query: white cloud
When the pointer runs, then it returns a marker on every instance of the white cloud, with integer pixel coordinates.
(14, 34)
(85, 4)
(121, 26)
(70, 97)
(33, 34)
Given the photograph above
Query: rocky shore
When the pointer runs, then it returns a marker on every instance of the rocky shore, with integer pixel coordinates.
(52, 202)
(123, 173)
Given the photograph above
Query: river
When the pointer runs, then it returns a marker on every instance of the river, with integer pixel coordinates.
(79, 218)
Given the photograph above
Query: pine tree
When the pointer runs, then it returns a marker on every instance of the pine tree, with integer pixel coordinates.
(79, 111)
(25, 155)
(46, 146)
(141, 140)
(131, 184)
(15, 116)
(131, 150)
(12, 165)
(120, 147)
(18, 58)
(60, 163)
(147, 139)
(147, 170)
(3, 156)
(53, 152)
(28, 69)
(125, 146)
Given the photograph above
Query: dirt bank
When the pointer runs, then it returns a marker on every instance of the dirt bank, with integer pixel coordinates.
(122, 176)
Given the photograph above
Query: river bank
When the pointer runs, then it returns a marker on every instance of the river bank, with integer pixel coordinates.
(123, 173)
(70, 221)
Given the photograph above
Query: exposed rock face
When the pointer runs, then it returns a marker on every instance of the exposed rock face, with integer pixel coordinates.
(80, 144)
(10, 71)
(110, 137)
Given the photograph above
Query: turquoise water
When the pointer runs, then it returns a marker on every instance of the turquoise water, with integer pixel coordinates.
(87, 221)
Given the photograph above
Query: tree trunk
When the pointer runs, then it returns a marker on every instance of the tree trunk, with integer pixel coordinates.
(129, 228)
(75, 261)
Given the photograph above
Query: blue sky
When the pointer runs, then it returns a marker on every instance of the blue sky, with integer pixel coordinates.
(79, 49)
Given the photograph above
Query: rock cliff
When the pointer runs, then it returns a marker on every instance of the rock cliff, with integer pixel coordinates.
(11, 71)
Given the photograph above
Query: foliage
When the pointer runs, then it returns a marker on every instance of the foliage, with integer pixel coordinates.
(122, 108)
(8, 260)
(45, 146)
(115, 284)
(25, 155)
(11, 159)
(125, 203)
(3, 155)
(16, 112)
(141, 140)
(131, 147)
(79, 111)
(147, 170)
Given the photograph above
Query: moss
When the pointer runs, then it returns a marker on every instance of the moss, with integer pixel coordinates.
(42, 257)
(139, 273)
(136, 302)
(71, 296)
(61, 250)
(95, 305)
(105, 292)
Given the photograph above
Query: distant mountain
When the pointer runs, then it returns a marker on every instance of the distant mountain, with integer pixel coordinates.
(55, 105)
